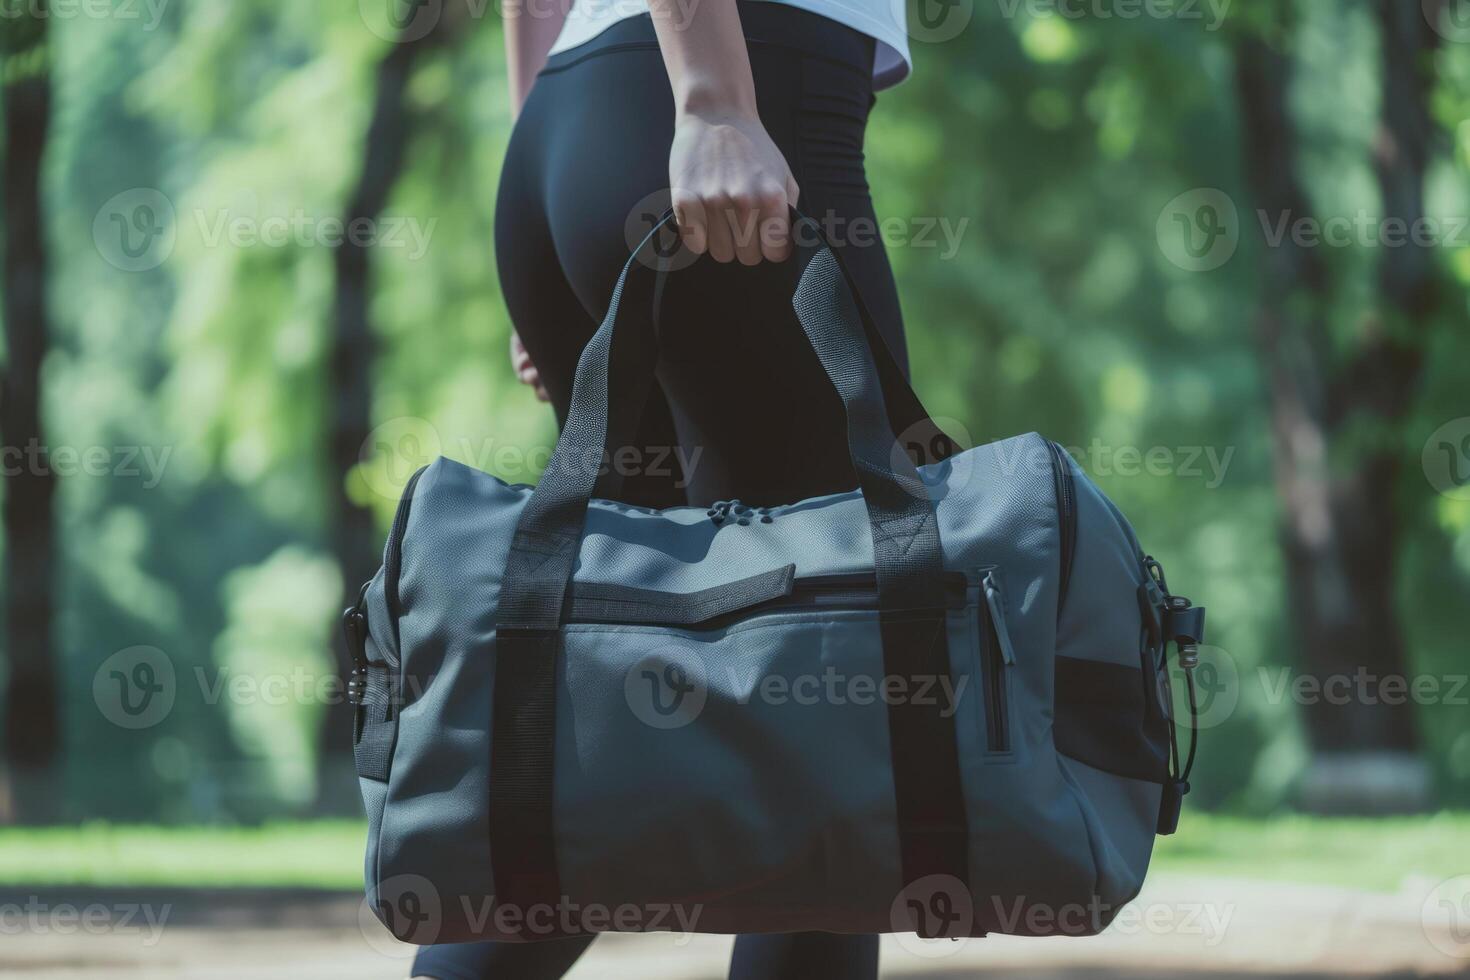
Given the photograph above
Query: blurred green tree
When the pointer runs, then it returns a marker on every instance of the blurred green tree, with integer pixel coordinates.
(353, 346)
(1340, 397)
(32, 709)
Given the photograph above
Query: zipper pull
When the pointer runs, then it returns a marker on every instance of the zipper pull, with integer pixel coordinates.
(354, 625)
(995, 601)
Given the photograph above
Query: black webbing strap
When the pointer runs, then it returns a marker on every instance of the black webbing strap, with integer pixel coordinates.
(376, 726)
(522, 848)
(608, 602)
(528, 639)
(932, 828)
(907, 562)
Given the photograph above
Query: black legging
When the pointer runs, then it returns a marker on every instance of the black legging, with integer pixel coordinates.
(739, 392)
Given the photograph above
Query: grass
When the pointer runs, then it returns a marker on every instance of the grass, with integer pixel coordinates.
(318, 854)
(1373, 854)
(1369, 854)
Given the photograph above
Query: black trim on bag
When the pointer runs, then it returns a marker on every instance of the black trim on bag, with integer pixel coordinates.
(1101, 720)
(769, 592)
(1066, 516)
(393, 552)
(607, 602)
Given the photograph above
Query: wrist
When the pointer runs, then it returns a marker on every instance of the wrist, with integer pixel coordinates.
(714, 101)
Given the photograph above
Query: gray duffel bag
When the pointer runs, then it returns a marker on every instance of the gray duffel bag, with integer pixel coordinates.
(938, 704)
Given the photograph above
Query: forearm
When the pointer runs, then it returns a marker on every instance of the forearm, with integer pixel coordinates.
(704, 53)
(531, 28)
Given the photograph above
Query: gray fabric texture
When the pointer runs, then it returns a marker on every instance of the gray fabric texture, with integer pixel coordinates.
(755, 811)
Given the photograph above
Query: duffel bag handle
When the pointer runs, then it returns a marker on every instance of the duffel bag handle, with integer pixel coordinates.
(907, 560)
(877, 399)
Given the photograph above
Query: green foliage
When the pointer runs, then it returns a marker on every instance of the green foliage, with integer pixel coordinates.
(271, 663)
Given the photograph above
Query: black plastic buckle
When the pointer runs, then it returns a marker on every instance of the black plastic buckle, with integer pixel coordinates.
(354, 625)
(1185, 625)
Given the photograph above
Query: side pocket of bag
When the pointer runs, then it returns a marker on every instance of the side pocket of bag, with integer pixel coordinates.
(371, 628)
(376, 686)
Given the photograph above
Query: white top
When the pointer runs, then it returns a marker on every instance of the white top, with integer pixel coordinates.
(882, 20)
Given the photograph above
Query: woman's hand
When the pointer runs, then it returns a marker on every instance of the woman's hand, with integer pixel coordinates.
(730, 184)
(526, 372)
(731, 187)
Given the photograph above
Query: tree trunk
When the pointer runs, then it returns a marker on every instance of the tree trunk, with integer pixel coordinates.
(1340, 529)
(355, 539)
(32, 724)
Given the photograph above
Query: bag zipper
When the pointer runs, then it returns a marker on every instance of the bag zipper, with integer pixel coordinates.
(1067, 511)
(854, 592)
(354, 617)
(393, 554)
(997, 656)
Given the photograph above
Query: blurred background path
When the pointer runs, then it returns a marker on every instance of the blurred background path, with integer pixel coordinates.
(1181, 926)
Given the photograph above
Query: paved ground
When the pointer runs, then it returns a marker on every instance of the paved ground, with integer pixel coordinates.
(1181, 926)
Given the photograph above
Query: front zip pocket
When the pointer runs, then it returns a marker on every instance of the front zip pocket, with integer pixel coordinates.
(997, 657)
(592, 603)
